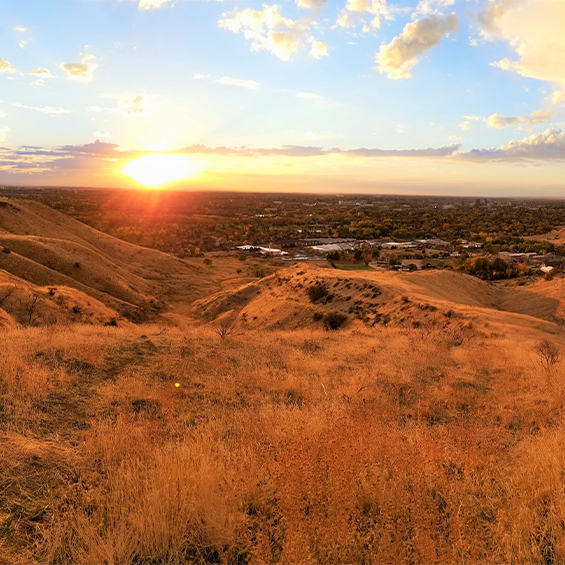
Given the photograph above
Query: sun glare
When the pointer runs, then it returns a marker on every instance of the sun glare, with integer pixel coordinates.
(159, 169)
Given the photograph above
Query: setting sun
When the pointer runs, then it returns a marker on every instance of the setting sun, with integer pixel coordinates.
(160, 169)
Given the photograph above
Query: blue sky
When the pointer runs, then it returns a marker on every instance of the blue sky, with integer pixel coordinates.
(484, 80)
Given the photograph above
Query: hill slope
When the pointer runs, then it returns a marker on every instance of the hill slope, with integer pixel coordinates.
(47, 248)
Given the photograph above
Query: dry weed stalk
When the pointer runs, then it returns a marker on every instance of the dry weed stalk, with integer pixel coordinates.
(223, 329)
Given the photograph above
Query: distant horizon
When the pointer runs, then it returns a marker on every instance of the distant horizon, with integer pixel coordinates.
(345, 195)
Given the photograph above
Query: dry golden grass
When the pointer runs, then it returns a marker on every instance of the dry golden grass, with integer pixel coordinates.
(382, 445)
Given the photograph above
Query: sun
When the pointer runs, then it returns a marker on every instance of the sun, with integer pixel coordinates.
(159, 169)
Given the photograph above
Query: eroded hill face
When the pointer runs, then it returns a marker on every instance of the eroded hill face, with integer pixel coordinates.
(305, 295)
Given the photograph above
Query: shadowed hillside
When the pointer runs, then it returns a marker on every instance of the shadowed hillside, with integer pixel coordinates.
(47, 248)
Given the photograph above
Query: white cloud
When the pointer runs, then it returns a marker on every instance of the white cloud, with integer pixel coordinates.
(101, 134)
(558, 96)
(428, 7)
(80, 71)
(398, 57)
(3, 114)
(537, 117)
(199, 76)
(4, 133)
(47, 110)
(464, 126)
(21, 29)
(549, 145)
(311, 4)
(308, 95)
(534, 30)
(268, 30)
(473, 118)
(23, 43)
(6, 67)
(454, 138)
(318, 49)
(238, 82)
(41, 72)
(133, 107)
(152, 4)
(367, 13)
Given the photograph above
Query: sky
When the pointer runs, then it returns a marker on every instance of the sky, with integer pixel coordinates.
(454, 97)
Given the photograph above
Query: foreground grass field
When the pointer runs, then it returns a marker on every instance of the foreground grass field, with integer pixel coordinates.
(384, 445)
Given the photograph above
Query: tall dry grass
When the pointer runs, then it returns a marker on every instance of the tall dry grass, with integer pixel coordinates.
(361, 446)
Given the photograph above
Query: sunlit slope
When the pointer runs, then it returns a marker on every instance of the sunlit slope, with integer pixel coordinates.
(282, 300)
(49, 248)
(24, 303)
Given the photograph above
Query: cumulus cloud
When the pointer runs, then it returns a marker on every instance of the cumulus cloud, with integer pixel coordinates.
(318, 49)
(251, 84)
(534, 30)
(549, 145)
(368, 13)
(307, 95)
(465, 126)
(537, 117)
(41, 72)
(21, 29)
(4, 132)
(47, 110)
(133, 107)
(269, 30)
(101, 134)
(80, 71)
(397, 58)
(6, 67)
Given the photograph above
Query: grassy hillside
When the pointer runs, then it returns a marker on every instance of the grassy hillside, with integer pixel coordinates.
(384, 445)
(426, 428)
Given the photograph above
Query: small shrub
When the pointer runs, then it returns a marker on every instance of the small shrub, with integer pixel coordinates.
(548, 353)
(260, 271)
(52, 291)
(77, 309)
(334, 320)
(207, 261)
(6, 250)
(317, 292)
(77, 265)
(317, 316)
